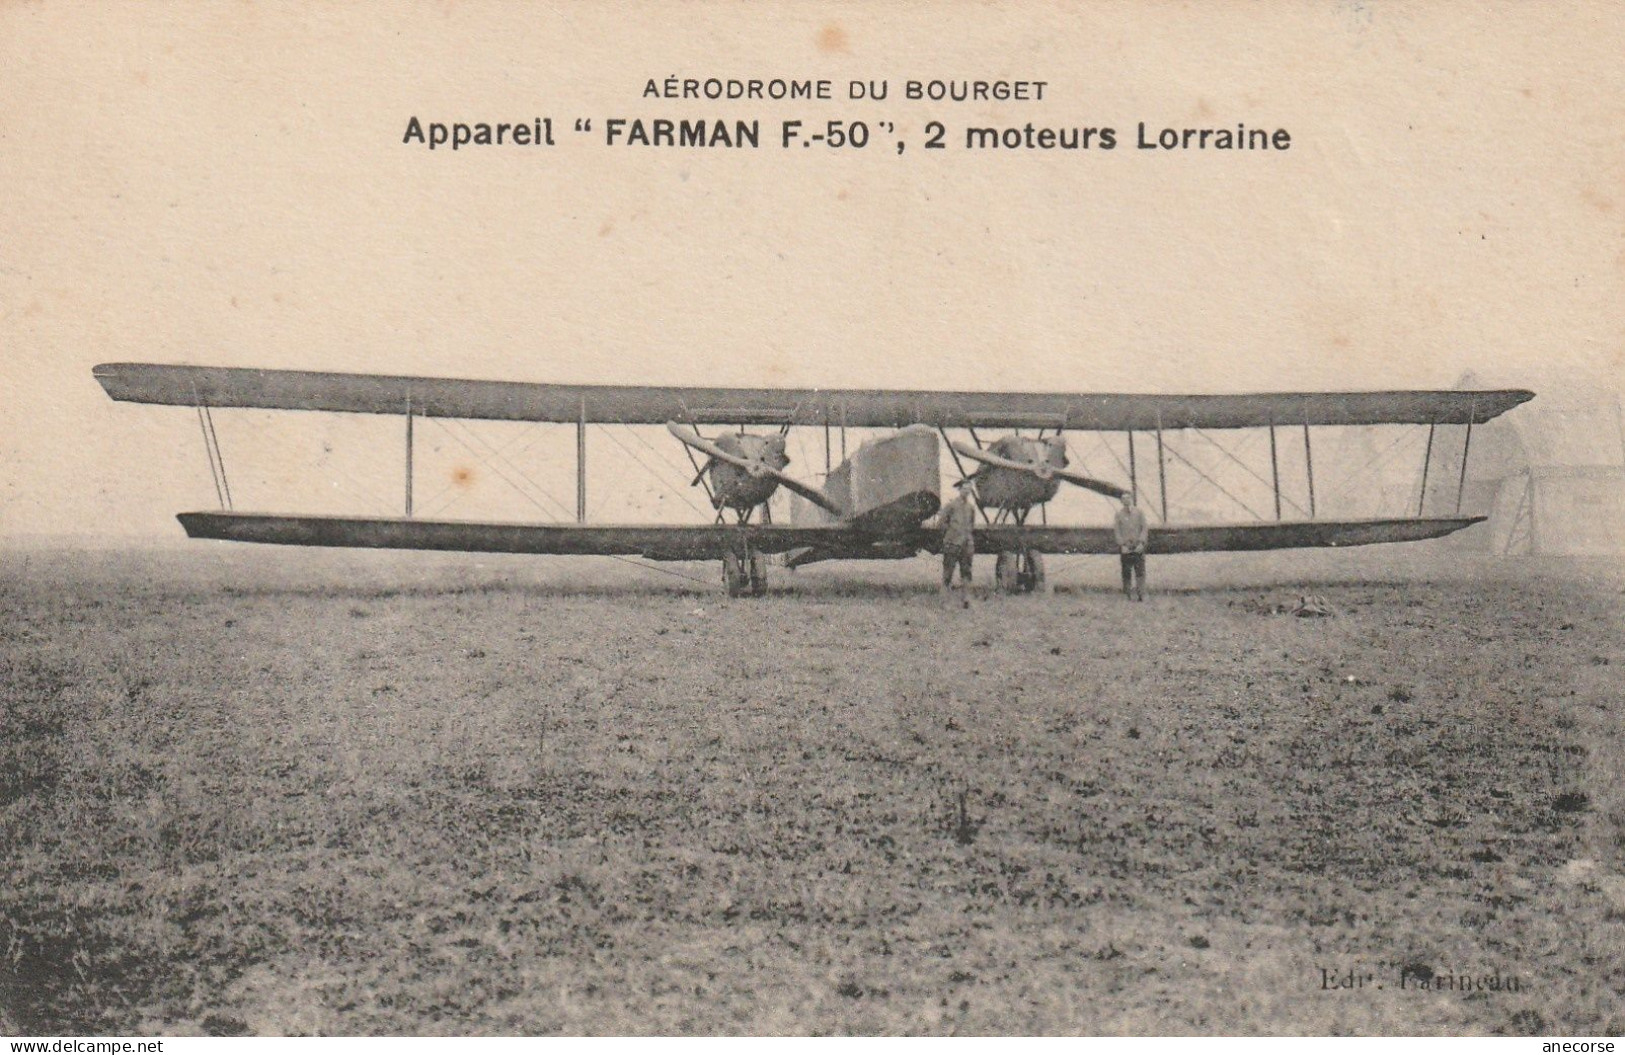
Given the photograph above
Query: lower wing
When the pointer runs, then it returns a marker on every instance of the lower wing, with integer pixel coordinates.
(1214, 538)
(654, 541)
(804, 545)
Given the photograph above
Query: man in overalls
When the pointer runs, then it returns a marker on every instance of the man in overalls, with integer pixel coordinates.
(1132, 533)
(958, 521)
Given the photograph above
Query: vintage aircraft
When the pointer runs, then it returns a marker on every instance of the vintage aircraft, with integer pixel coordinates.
(874, 505)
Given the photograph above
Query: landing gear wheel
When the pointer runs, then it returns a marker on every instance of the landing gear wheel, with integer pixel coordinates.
(1031, 576)
(735, 576)
(1020, 572)
(1006, 572)
(758, 575)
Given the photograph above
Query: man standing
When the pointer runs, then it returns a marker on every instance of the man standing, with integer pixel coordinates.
(1132, 532)
(957, 520)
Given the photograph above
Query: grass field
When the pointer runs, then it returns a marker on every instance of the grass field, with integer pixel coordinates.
(263, 791)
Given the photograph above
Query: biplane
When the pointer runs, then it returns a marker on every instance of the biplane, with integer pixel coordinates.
(874, 504)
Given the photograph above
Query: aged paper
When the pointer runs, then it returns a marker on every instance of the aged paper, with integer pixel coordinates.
(1111, 197)
(232, 188)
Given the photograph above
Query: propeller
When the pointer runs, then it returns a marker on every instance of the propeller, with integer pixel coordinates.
(692, 438)
(1042, 470)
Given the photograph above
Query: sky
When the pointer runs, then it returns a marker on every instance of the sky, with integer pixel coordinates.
(227, 185)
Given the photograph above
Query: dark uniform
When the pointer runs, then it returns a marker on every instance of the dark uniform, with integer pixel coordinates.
(1132, 533)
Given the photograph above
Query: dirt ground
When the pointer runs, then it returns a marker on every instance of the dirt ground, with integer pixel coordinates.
(272, 792)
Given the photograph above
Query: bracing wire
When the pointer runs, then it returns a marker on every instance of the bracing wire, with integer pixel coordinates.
(434, 506)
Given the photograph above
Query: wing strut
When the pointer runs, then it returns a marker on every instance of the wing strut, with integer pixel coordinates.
(1309, 464)
(1162, 470)
(211, 449)
(581, 464)
(700, 476)
(1427, 459)
(1466, 447)
(1275, 473)
(1133, 470)
(409, 453)
(955, 454)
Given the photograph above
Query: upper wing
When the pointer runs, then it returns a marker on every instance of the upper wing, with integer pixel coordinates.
(646, 405)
